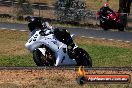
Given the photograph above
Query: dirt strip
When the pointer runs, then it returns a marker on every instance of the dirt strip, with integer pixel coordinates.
(48, 78)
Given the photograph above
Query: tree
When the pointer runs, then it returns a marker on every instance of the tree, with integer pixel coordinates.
(24, 8)
(124, 6)
(70, 10)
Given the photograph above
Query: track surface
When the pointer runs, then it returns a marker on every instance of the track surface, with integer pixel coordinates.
(85, 32)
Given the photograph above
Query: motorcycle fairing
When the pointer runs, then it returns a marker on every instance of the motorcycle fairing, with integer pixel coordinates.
(56, 46)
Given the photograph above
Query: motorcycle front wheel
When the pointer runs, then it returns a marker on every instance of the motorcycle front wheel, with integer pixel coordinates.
(103, 25)
(41, 60)
(82, 57)
(121, 27)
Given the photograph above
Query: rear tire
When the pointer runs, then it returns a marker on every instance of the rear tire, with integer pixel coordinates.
(41, 60)
(82, 57)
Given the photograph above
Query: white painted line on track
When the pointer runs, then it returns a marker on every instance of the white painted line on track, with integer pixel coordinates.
(23, 30)
(82, 36)
(107, 39)
(111, 39)
(87, 37)
(103, 38)
(127, 41)
(13, 29)
(91, 37)
(119, 40)
(4, 28)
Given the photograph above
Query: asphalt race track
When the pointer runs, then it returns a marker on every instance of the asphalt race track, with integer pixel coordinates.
(84, 32)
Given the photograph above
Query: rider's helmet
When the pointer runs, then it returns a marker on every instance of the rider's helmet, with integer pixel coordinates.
(34, 23)
(106, 4)
(45, 25)
(37, 21)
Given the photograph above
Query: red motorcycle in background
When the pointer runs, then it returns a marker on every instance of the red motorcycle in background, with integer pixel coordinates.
(112, 21)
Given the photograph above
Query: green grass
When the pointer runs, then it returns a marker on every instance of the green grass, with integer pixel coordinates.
(106, 56)
(14, 53)
(17, 61)
(102, 56)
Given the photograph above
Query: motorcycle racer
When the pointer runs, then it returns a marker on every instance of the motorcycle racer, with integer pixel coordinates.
(33, 25)
(109, 19)
(50, 46)
(36, 23)
(104, 10)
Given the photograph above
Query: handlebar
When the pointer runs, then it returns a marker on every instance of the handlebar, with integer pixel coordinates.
(42, 33)
(45, 32)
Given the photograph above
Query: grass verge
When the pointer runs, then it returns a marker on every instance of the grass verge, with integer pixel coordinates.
(103, 52)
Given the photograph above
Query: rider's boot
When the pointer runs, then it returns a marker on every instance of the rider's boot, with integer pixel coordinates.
(71, 47)
(71, 52)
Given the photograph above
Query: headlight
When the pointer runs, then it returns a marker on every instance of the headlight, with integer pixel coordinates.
(114, 18)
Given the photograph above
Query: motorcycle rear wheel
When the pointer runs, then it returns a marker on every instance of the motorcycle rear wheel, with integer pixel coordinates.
(82, 57)
(41, 60)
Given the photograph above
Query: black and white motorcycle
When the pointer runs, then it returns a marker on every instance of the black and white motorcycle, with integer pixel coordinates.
(47, 50)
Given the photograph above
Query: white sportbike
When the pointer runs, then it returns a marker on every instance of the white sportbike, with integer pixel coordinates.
(49, 51)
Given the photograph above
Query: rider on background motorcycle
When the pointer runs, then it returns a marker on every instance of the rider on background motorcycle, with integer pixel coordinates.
(103, 12)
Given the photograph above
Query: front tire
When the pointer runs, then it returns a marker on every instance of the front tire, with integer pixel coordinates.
(41, 60)
(121, 27)
(103, 25)
(82, 57)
